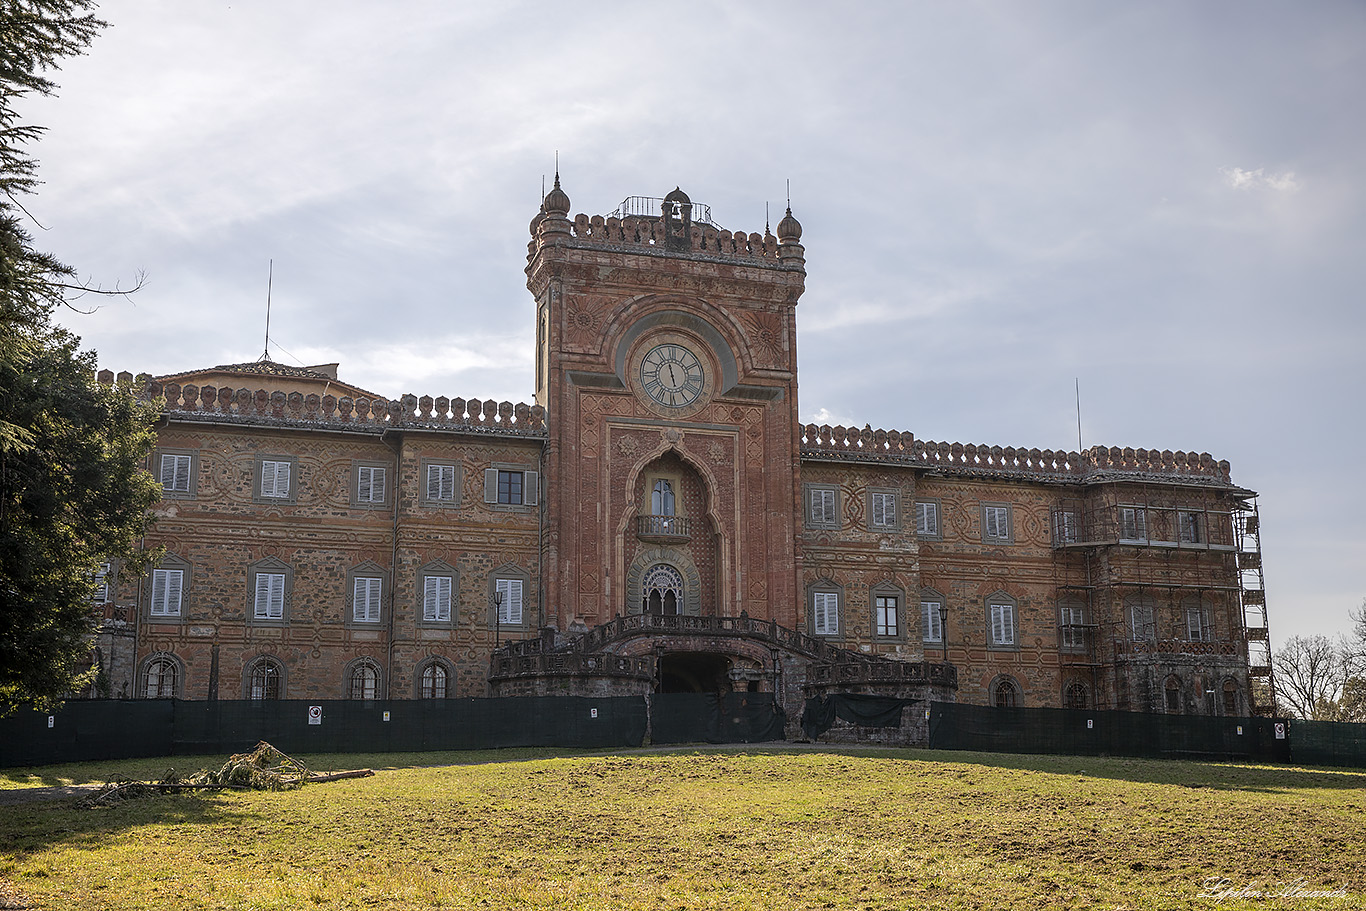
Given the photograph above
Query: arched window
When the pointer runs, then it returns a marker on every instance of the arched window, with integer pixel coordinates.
(1007, 695)
(364, 681)
(661, 591)
(434, 677)
(1230, 698)
(265, 679)
(662, 499)
(160, 679)
(1173, 695)
(1074, 696)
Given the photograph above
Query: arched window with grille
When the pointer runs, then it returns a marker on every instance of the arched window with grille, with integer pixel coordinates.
(434, 678)
(364, 682)
(160, 678)
(1006, 694)
(661, 591)
(265, 680)
(1074, 696)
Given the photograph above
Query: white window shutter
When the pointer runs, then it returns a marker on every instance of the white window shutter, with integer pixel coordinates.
(173, 580)
(364, 482)
(436, 601)
(168, 472)
(263, 595)
(447, 482)
(510, 603)
(530, 488)
(159, 591)
(490, 485)
(182, 473)
(365, 600)
(377, 485)
(434, 482)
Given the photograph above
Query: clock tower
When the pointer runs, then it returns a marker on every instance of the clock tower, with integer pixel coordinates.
(667, 364)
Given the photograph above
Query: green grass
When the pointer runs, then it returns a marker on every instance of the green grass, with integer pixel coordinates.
(734, 829)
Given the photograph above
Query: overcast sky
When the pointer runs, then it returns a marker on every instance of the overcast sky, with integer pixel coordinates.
(1162, 200)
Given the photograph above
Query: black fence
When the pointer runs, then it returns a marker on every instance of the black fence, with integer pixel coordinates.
(1090, 733)
(712, 718)
(116, 729)
(167, 727)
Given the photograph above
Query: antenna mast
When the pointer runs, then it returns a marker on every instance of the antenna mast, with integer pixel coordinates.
(1078, 382)
(270, 280)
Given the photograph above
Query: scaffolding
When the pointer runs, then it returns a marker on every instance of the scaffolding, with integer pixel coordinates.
(1119, 548)
(1247, 526)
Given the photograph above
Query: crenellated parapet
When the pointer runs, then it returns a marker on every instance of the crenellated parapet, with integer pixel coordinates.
(641, 230)
(672, 229)
(263, 406)
(851, 444)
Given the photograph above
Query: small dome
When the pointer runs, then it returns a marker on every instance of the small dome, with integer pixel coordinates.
(557, 200)
(789, 229)
(536, 222)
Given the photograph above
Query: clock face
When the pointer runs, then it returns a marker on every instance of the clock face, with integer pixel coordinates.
(672, 376)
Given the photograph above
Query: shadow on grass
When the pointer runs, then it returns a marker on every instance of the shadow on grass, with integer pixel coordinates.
(1221, 775)
(27, 828)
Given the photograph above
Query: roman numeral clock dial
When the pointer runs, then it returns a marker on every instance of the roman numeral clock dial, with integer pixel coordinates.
(672, 376)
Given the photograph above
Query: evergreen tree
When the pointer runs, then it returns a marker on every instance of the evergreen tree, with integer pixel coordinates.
(72, 490)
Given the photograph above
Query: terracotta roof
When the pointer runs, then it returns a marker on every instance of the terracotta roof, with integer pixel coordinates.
(268, 368)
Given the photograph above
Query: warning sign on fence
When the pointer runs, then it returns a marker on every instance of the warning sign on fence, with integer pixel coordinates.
(315, 714)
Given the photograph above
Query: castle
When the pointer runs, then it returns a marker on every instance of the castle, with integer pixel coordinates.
(659, 520)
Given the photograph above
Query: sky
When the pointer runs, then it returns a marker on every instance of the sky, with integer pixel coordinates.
(1161, 203)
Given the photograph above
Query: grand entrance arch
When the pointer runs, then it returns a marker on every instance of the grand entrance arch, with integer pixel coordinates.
(694, 672)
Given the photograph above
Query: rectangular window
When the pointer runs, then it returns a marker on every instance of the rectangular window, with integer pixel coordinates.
(509, 595)
(510, 486)
(1141, 622)
(436, 599)
(931, 621)
(1073, 631)
(825, 607)
(275, 479)
(441, 483)
(996, 523)
(1002, 624)
(270, 596)
(1064, 526)
(882, 509)
(366, 599)
(1195, 625)
(886, 621)
(1190, 527)
(101, 595)
(1133, 523)
(821, 511)
(369, 484)
(166, 584)
(175, 473)
(927, 520)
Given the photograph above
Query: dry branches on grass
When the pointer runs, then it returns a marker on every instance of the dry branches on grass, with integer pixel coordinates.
(263, 769)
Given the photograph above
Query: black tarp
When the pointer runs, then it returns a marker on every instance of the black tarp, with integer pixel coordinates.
(110, 729)
(862, 709)
(1082, 732)
(715, 718)
(1328, 743)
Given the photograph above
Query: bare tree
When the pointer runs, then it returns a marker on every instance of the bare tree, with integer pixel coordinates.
(1310, 674)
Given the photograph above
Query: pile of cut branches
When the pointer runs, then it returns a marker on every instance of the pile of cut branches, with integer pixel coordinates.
(263, 769)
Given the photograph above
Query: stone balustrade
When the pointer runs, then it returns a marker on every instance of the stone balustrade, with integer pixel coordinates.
(295, 407)
(1150, 647)
(866, 673)
(869, 445)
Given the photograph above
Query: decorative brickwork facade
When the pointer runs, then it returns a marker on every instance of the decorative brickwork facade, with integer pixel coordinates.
(660, 520)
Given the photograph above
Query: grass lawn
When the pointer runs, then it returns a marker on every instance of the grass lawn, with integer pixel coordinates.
(742, 829)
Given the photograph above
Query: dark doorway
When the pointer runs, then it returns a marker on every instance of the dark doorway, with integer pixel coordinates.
(693, 672)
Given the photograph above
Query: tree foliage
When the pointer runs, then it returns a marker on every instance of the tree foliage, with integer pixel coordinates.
(72, 490)
(1323, 679)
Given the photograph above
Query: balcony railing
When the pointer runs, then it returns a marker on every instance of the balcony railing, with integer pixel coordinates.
(669, 528)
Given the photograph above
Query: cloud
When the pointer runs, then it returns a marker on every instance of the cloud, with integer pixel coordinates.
(1240, 179)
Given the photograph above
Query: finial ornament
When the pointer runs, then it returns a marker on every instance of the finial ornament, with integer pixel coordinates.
(556, 202)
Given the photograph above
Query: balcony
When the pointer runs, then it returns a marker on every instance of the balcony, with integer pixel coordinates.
(664, 529)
